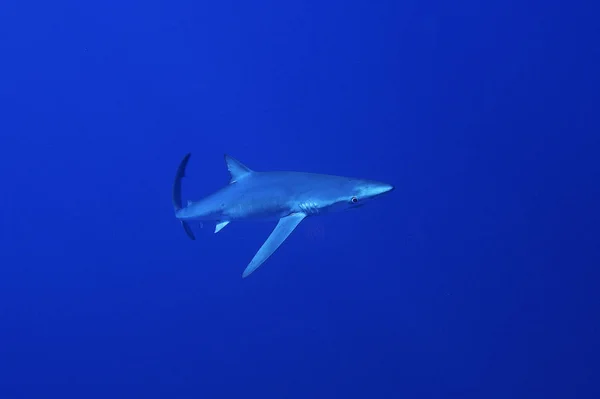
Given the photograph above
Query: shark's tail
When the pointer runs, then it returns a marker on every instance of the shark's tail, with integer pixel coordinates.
(176, 195)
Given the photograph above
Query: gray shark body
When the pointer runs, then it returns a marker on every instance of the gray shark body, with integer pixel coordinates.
(286, 197)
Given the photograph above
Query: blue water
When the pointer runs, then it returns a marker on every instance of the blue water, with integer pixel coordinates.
(476, 278)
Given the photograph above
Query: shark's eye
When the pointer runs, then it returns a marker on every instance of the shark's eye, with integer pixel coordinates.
(354, 200)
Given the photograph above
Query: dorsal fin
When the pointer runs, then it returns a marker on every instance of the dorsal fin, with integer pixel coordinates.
(237, 169)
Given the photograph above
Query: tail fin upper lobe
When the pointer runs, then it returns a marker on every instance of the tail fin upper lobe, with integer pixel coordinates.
(176, 193)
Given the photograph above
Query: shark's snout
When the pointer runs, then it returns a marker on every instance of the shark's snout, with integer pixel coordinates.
(375, 189)
(386, 188)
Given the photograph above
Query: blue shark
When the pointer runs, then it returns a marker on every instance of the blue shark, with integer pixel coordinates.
(283, 196)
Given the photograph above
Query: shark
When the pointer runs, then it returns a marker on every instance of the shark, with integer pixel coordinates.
(286, 197)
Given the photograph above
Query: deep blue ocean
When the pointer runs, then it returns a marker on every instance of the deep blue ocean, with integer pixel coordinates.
(477, 277)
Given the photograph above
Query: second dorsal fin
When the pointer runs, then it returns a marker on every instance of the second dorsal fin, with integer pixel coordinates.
(237, 170)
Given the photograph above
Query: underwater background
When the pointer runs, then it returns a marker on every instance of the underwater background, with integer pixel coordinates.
(476, 278)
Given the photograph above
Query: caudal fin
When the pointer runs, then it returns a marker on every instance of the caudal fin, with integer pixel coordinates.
(176, 193)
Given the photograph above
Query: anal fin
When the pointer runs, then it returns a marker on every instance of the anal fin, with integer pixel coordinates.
(220, 225)
(284, 228)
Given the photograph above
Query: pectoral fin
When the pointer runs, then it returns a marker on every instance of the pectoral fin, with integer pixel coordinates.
(284, 228)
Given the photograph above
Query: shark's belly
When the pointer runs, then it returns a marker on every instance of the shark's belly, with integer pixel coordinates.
(262, 198)
(255, 210)
(251, 206)
(255, 203)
